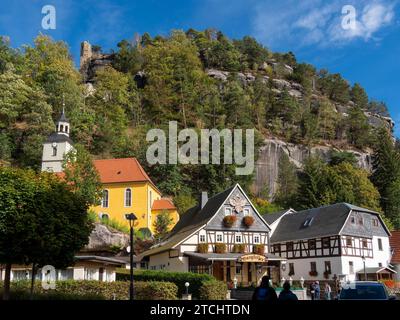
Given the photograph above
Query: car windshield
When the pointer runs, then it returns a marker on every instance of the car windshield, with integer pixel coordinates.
(364, 292)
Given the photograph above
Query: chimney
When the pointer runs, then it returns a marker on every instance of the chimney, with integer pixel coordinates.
(203, 199)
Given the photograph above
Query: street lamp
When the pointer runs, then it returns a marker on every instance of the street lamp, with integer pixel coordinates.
(365, 272)
(131, 218)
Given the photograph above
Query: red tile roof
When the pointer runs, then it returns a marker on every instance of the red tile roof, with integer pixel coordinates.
(121, 170)
(395, 246)
(163, 204)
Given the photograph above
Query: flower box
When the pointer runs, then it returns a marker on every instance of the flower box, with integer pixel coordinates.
(220, 248)
(202, 247)
(229, 221)
(259, 249)
(248, 221)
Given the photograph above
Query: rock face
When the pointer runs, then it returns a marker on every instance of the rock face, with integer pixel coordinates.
(103, 238)
(267, 166)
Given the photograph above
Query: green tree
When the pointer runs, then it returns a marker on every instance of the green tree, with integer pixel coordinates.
(162, 225)
(358, 129)
(41, 221)
(386, 174)
(334, 86)
(359, 96)
(288, 183)
(82, 176)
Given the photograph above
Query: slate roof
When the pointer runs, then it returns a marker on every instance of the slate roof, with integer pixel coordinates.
(63, 118)
(395, 246)
(107, 260)
(327, 220)
(59, 137)
(272, 217)
(190, 221)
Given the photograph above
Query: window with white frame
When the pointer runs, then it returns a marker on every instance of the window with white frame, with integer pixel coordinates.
(238, 238)
(228, 211)
(220, 237)
(104, 199)
(128, 197)
(202, 238)
(256, 238)
(90, 274)
(246, 211)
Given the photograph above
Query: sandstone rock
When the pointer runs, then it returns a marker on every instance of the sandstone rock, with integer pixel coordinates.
(281, 84)
(217, 74)
(295, 93)
(104, 238)
(267, 165)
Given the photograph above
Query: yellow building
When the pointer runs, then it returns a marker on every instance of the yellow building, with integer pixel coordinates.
(127, 188)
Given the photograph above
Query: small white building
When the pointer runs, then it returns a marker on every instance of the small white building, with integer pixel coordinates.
(203, 241)
(86, 267)
(339, 241)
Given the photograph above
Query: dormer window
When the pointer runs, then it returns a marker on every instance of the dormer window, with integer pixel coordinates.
(246, 212)
(308, 222)
(375, 222)
(353, 220)
(228, 211)
(360, 221)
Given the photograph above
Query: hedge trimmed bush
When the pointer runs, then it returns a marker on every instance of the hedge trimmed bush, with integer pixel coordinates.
(178, 278)
(94, 290)
(213, 290)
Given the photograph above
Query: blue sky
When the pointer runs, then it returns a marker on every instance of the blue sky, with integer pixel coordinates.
(368, 54)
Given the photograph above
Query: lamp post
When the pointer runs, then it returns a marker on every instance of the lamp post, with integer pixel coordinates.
(131, 218)
(365, 272)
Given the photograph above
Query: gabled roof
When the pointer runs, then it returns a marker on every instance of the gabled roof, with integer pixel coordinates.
(395, 246)
(121, 170)
(272, 217)
(190, 222)
(163, 204)
(326, 221)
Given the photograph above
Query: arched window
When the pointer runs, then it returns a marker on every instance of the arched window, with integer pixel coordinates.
(104, 200)
(61, 128)
(104, 216)
(128, 197)
(54, 151)
(66, 129)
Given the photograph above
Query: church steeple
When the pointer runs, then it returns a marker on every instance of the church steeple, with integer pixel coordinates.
(62, 126)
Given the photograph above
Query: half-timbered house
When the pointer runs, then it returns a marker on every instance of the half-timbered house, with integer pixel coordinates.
(224, 236)
(339, 241)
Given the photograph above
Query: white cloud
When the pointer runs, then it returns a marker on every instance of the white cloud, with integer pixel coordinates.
(318, 23)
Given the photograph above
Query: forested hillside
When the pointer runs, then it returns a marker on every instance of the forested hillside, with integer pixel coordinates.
(202, 80)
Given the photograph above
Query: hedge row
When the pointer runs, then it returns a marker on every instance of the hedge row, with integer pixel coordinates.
(94, 290)
(213, 290)
(179, 278)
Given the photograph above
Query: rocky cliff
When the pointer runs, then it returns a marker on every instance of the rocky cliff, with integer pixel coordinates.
(267, 166)
(104, 238)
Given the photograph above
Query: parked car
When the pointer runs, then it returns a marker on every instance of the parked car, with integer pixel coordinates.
(365, 290)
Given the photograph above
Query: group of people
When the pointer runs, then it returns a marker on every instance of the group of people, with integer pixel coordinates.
(315, 291)
(266, 293)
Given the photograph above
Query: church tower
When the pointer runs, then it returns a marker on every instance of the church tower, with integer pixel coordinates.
(56, 146)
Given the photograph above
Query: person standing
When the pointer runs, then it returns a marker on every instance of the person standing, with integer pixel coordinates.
(312, 290)
(286, 294)
(264, 292)
(317, 291)
(328, 291)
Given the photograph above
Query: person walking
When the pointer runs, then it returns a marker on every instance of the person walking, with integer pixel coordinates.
(264, 292)
(328, 291)
(317, 291)
(286, 294)
(312, 290)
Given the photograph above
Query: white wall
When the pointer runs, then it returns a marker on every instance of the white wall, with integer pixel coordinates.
(163, 261)
(302, 268)
(54, 162)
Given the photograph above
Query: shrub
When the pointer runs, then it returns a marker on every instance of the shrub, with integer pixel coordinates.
(95, 290)
(220, 247)
(239, 248)
(259, 249)
(178, 278)
(229, 221)
(248, 221)
(202, 247)
(213, 290)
